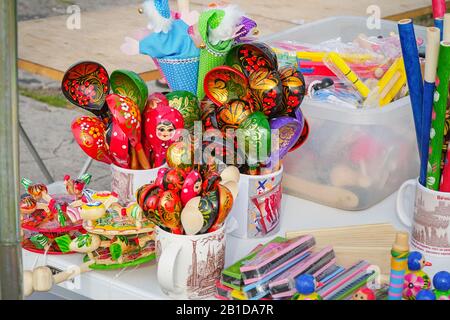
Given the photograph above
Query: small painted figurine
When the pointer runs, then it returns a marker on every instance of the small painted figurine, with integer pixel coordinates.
(364, 294)
(441, 283)
(426, 295)
(306, 286)
(415, 279)
(76, 187)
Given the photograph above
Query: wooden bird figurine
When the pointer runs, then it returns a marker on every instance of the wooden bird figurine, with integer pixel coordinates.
(306, 286)
(415, 279)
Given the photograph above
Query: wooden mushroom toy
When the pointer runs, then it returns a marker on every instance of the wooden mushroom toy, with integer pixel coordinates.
(92, 211)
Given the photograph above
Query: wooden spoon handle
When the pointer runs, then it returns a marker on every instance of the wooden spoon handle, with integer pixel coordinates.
(142, 157)
(134, 160)
(329, 195)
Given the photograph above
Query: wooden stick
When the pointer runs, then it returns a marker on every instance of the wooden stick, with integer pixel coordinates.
(134, 160)
(335, 197)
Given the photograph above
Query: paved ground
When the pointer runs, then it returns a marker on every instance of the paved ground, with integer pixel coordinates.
(34, 9)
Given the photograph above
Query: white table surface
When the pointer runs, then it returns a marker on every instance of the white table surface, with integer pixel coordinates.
(141, 282)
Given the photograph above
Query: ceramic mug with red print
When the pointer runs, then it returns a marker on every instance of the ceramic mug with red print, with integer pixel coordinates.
(257, 210)
(427, 214)
(125, 182)
(190, 266)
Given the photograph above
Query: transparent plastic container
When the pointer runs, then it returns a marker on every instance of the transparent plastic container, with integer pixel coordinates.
(354, 158)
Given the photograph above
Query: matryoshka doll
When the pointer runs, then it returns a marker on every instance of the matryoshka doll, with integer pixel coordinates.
(192, 187)
(163, 126)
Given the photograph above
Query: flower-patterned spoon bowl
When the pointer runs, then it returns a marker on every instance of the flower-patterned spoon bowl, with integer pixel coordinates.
(86, 85)
(90, 134)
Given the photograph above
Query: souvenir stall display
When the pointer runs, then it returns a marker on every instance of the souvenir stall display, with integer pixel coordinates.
(242, 121)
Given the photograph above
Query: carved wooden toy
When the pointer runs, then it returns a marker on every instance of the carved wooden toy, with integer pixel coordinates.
(306, 287)
(38, 191)
(441, 283)
(29, 205)
(92, 211)
(415, 279)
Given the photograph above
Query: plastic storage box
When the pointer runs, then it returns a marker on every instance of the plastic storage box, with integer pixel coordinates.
(353, 159)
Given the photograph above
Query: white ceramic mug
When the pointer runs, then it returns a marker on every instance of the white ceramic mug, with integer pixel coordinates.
(256, 212)
(125, 182)
(427, 216)
(189, 266)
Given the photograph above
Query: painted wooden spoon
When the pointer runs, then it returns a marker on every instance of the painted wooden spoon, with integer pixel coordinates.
(129, 84)
(127, 115)
(86, 85)
(90, 134)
